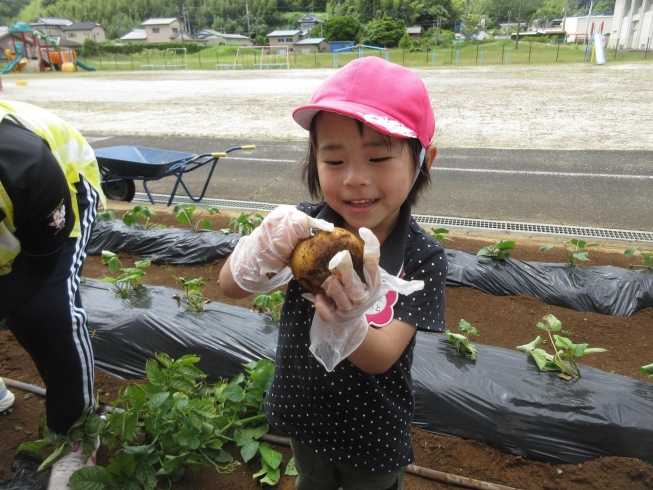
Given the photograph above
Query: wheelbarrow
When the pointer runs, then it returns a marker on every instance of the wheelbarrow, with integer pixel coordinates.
(120, 166)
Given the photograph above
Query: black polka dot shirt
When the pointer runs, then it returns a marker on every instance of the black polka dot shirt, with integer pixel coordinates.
(349, 416)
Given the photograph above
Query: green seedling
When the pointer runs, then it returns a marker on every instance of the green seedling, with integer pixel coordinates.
(192, 299)
(461, 341)
(439, 234)
(139, 213)
(128, 279)
(573, 248)
(184, 214)
(174, 422)
(243, 224)
(566, 352)
(105, 216)
(498, 251)
(271, 303)
(647, 257)
(647, 370)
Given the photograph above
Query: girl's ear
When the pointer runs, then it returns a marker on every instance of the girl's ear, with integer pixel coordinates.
(429, 156)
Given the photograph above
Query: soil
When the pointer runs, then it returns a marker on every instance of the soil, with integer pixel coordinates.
(503, 321)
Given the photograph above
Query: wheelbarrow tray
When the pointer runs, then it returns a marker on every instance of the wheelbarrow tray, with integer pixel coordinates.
(139, 161)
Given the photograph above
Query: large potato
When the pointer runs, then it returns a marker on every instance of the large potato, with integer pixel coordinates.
(310, 260)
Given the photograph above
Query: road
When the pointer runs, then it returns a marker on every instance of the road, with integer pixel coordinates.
(589, 188)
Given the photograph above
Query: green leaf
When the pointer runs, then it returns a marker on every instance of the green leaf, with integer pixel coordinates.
(582, 256)
(630, 251)
(594, 350)
(137, 396)
(122, 464)
(234, 393)
(34, 446)
(647, 370)
(544, 361)
(94, 425)
(529, 347)
(146, 476)
(90, 478)
(272, 475)
(60, 452)
(223, 457)
(159, 399)
(154, 374)
(546, 248)
(291, 470)
(270, 456)
(249, 450)
(187, 437)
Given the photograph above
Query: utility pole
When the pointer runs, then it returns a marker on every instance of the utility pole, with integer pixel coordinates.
(183, 21)
(588, 21)
(509, 29)
(564, 17)
(249, 34)
(120, 16)
(518, 25)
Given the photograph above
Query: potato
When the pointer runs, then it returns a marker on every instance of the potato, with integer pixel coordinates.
(310, 260)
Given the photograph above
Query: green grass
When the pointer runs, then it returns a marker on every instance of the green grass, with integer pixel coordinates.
(463, 54)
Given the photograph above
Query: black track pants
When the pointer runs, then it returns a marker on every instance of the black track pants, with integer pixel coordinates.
(51, 325)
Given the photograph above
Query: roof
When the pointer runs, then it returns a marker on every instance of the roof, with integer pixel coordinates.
(284, 33)
(135, 35)
(310, 40)
(186, 36)
(204, 33)
(80, 26)
(51, 21)
(160, 22)
(310, 19)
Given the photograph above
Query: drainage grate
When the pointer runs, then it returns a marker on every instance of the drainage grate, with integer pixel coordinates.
(441, 221)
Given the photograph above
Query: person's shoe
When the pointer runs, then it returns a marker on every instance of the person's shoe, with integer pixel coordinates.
(6, 397)
(63, 469)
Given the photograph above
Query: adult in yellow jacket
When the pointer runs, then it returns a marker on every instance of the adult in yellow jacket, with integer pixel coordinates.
(49, 191)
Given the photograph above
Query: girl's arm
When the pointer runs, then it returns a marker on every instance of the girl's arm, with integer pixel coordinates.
(227, 283)
(382, 347)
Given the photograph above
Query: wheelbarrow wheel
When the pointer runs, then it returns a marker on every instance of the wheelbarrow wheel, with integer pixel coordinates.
(120, 190)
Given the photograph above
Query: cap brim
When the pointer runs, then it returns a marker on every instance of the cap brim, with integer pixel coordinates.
(377, 120)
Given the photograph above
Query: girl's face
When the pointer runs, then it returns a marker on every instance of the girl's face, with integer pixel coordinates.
(363, 178)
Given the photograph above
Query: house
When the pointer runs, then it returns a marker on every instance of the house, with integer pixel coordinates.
(414, 32)
(283, 40)
(579, 28)
(135, 36)
(161, 30)
(210, 37)
(311, 46)
(632, 25)
(50, 25)
(81, 31)
(309, 22)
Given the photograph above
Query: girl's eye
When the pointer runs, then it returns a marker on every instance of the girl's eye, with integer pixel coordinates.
(380, 159)
(332, 162)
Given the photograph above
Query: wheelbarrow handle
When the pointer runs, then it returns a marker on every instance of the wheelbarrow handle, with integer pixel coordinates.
(248, 147)
(219, 154)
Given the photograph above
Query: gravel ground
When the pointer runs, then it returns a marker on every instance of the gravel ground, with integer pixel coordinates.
(579, 106)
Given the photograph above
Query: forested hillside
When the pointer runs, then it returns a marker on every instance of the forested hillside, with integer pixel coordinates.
(119, 16)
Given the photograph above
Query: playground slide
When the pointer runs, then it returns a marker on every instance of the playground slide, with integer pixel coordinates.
(84, 65)
(599, 54)
(20, 54)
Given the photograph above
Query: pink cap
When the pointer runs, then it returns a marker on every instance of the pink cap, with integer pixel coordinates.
(385, 96)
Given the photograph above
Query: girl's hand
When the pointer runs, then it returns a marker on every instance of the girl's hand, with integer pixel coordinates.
(259, 263)
(339, 325)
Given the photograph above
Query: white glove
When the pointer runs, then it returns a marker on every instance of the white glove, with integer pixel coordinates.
(259, 263)
(340, 326)
(9, 249)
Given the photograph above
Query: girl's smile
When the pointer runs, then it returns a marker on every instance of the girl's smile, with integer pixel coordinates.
(364, 176)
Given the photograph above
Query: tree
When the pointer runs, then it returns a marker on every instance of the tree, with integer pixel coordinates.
(343, 28)
(384, 32)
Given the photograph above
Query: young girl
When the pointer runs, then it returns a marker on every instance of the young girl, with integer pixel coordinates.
(369, 157)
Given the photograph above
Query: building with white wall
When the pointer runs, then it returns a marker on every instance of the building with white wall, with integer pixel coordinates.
(579, 28)
(632, 27)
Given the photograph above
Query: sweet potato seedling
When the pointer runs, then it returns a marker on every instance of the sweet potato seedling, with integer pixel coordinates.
(271, 303)
(439, 234)
(573, 248)
(566, 352)
(498, 251)
(128, 278)
(647, 257)
(192, 299)
(139, 213)
(105, 216)
(184, 214)
(647, 370)
(461, 341)
(244, 224)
